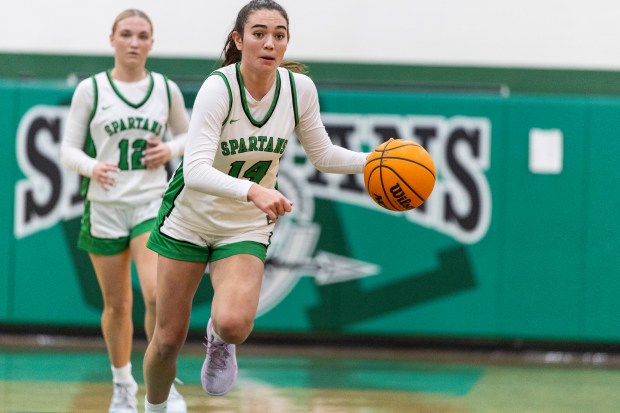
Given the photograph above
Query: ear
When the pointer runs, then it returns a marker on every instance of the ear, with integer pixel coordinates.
(112, 39)
(237, 39)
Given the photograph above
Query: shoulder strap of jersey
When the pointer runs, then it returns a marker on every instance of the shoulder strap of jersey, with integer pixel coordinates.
(95, 99)
(294, 97)
(230, 96)
(167, 91)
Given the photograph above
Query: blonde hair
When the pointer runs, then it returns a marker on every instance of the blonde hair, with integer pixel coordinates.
(131, 13)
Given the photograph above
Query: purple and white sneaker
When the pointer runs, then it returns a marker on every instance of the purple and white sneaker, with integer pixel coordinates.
(219, 370)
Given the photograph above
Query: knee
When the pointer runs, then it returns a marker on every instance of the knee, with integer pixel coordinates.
(118, 307)
(149, 303)
(166, 347)
(234, 328)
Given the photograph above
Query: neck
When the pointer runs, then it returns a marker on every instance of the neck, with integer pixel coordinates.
(126, 74)
(257, 84)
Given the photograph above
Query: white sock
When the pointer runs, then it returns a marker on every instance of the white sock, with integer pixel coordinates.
(154, 408)
(217, 338)
(122, 374)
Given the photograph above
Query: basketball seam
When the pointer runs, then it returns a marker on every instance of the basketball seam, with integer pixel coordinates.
(404, 182)
(385, 195)
(383, 154)
(408, 160)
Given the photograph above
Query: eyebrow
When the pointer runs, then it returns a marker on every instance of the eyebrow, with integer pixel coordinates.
(264, 26)
(131, 31)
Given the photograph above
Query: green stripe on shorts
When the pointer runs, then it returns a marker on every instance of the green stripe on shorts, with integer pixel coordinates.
(243, 247)
(185, 251)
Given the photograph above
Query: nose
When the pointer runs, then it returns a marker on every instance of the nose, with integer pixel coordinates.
(268, 42)
(134, 41)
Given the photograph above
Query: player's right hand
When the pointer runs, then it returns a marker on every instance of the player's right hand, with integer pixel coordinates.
(104, 173)
(270, 201)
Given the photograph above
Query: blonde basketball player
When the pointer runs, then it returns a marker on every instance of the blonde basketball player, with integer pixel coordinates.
(221, 205)
(113, 138)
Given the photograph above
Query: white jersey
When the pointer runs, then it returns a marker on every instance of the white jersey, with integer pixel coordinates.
(235, 141)
(118, 132)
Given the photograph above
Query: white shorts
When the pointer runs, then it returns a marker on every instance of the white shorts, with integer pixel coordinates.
(107, 229)
(180, 243)
(180, 232)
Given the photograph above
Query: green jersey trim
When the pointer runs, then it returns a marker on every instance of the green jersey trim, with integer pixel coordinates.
(95, 99)
(123, 98)
(244, 101)
(168, 92)
(230, 96)
(294, 96)
(177, 183)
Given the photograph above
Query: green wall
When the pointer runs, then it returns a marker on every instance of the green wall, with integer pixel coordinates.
(191, 72)
(497, 252)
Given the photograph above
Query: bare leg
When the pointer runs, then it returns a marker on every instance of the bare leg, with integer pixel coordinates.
(236, 283)
(146, 265)
(114, 277)
(177, 282)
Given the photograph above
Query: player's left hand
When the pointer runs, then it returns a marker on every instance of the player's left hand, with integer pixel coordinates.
(156, 154)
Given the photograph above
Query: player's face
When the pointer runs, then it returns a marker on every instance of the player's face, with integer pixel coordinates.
(264, 42)
(132, 41)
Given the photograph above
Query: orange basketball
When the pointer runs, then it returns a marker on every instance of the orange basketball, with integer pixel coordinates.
(399, 175)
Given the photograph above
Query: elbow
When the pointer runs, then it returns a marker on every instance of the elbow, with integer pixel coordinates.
(190, 181)
(322, 169)
(64, 158)
(321, 165)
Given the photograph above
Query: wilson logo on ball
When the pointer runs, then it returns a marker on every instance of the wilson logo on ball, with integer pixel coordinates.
(399, 175)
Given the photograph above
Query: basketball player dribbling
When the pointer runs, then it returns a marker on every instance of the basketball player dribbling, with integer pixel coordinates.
(222, 203)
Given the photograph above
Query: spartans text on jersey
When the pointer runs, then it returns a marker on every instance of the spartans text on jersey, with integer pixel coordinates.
(133, 122)
(253, 144)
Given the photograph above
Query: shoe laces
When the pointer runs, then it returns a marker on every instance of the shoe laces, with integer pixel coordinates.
(218, 354)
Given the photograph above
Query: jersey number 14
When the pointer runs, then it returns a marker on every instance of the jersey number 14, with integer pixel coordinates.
(254, 173)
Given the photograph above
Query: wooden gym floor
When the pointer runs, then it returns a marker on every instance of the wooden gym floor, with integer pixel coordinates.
(51, 374)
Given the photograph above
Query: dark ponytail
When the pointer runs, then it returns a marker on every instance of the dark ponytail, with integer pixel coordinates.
(230, 51)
